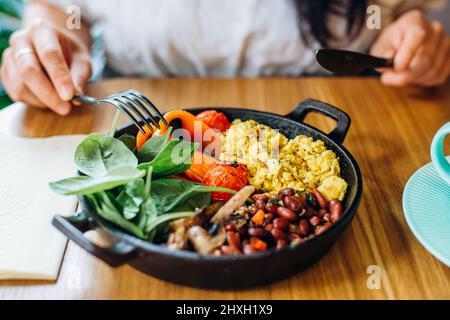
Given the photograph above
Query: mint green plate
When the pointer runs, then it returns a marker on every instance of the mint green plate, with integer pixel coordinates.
(426, 204)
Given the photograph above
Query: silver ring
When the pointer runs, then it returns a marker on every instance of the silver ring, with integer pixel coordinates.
(22, 52)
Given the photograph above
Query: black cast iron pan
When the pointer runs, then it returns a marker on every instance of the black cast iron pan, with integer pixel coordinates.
(189, 268)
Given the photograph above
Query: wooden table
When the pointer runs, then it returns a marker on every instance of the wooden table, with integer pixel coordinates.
(390, 137)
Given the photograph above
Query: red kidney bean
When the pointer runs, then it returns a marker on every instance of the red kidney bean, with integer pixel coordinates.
(260, 204)
(320, 199)
(281, 244)
(332, 204)
(302, 200)
(322, 228)
(303, 228)
(248, 249)
(294, 203)
(279, 197)
(277, 234)
(280, 223)
(293, 237)
(286, 213)
(322, 212)
(258, 233)
(335, 211)
(260, 196)
(310, 212)
(271, 207)
(269, 227)
(269, 216)
(327, 217)
(293, 228)
(286, 192)
(230, 227)
(314, 221)
(234, 239)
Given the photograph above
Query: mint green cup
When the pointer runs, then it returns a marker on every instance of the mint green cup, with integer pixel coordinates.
(437, 153)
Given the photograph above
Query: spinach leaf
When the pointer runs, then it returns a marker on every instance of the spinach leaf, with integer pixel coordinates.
(131, 197)
(172, 194)
(153, 146)
(148, 208)
(103, 203)
(174, 158)
(152, 224)
(87, 185)
(128, 140)
(97, 154)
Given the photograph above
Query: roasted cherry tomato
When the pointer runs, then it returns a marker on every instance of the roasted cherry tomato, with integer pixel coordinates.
(232, 176)
(214, 119)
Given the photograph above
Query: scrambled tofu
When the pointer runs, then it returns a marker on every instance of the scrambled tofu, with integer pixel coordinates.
(275, 162)
(333, 188)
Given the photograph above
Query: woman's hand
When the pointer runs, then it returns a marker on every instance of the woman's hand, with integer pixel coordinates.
(420, 49)
(45, 66)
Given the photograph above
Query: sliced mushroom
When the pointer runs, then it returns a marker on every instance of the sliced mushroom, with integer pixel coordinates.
(200, 218)
(234, 203)
(201, 240)
(178, 240)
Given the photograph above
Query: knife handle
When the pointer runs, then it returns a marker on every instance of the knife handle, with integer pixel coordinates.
(383, 63)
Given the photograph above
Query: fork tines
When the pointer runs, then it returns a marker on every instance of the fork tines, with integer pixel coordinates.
(136, 102)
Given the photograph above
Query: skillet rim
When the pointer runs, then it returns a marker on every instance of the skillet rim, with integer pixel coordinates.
(143, 246)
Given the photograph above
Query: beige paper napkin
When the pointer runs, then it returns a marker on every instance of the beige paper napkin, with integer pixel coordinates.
(30, 247)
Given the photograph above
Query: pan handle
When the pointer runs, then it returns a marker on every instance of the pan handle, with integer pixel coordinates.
(74, 227)
(310, 105)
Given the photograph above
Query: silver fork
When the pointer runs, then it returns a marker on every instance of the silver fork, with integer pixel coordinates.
(128, 101)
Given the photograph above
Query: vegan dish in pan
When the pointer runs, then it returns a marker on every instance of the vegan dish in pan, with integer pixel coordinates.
(214, 187)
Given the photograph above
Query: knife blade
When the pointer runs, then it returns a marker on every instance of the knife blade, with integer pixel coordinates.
(349, 62)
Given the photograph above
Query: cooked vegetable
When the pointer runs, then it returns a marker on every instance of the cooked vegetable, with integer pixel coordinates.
(258, 244)
(201, 217)
(178, 239)
(232, 176)
(189, 122)
(203, 242)
(258, 218)
(201, 164)
(235, 202)
(214, 119)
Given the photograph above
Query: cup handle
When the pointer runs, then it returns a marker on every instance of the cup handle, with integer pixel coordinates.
(440, 163)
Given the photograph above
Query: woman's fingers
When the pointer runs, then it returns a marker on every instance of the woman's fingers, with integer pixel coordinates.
(30, 70)
(15, 87)
(81, 70)
(413, 39)
(50, 54)
(421, 57)
(437, 73)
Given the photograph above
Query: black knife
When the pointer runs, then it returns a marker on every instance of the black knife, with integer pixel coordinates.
(349, 62)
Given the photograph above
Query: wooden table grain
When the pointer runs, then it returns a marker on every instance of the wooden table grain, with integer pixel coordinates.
(390, 137)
